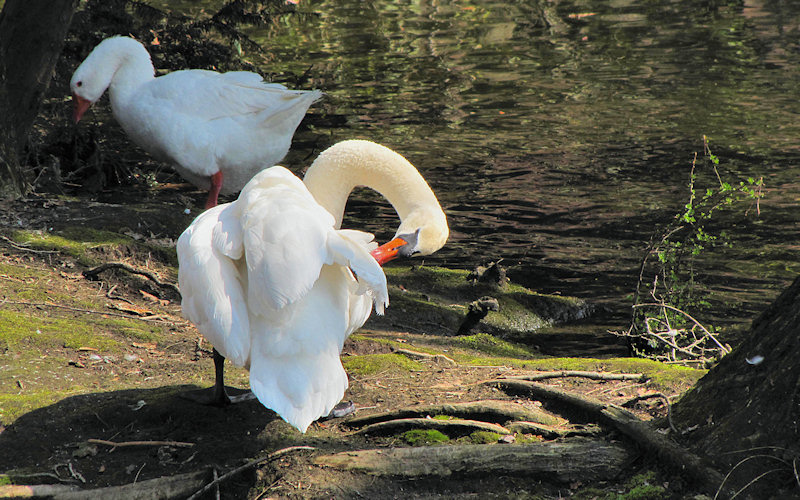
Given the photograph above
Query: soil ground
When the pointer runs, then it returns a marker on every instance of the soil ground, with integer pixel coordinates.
(108, 360)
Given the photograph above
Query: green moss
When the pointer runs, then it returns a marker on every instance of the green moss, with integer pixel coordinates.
(483, 342)
(660, 374)
(484, 437)
(423, 437)
(527, 438)
(370, 364)
(4, 480)
(23, 329)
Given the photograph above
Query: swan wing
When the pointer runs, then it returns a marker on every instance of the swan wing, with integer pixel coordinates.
(284, 235)
(209, 252)
(351, 248)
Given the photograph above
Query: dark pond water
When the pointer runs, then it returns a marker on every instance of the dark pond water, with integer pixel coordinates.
(560, 134)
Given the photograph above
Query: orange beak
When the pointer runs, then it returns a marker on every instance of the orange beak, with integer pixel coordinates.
(388, 251)
(81, 105)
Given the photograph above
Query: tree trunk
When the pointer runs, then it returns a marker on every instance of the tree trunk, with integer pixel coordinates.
(31, 38)
(744, 413)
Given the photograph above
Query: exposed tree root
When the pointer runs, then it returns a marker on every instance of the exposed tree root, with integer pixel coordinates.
(453, 426)
(625, 422)
(486, 410)
(590, 375)
(436, 358)
(95, 271)
(551, 432)
(578, 459)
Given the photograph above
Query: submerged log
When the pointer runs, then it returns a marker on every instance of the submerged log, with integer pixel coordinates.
(562, 462)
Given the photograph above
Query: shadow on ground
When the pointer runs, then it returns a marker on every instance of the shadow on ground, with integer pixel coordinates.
(56, 438)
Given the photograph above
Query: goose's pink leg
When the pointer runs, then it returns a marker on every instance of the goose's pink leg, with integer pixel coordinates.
(213, 192)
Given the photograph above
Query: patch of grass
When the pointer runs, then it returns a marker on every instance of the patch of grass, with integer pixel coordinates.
(370, 364)
(21, 329)
(12, 406)
(423, 437)
(72, 241)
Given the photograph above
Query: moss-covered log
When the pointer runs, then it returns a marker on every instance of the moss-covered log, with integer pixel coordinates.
(580, 459)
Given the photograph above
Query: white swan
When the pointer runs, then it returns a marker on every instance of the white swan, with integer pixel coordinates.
(274, 284)
(217, 129)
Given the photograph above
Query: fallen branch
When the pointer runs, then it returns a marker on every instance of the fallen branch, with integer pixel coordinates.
(436, 358)
(624, 422)
(583, 374)
(485, 410)
(576, 460)
(452, 426)
(724, 349)
(141, 443)
(248, 465)
(95, 271)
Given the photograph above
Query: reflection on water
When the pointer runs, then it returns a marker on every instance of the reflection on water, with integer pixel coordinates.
(559, 134)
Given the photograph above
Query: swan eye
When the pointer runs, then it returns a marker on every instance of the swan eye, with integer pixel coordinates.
(79, 84)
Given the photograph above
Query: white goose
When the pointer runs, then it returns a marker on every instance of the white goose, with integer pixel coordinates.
(270, 279)
(217, 129)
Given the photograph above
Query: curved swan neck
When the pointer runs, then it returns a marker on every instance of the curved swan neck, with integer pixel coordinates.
(349, 164)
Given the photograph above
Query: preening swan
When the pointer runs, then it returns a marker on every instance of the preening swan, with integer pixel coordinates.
(276, 286)
(217, 129)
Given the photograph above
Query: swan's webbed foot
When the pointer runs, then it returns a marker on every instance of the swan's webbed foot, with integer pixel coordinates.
(342, 409)
(214, 397)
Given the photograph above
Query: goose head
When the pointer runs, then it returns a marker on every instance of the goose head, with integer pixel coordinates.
(101, 69)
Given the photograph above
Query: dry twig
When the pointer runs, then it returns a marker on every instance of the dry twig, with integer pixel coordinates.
(123, 444)
(246, 466)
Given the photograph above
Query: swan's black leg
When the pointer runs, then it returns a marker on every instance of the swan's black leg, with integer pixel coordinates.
(217, 395)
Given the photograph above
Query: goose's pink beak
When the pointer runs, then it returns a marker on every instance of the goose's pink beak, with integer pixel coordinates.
(388, 251)
(81, 105)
